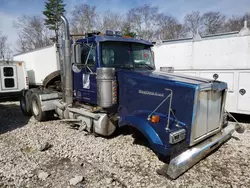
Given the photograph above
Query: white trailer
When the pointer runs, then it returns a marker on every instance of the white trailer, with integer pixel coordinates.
(225, 57)
(13, 79)
(39, 63)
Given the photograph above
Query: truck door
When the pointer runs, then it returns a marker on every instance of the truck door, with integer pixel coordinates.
(244, 91)
(8, 77)
(85, 81)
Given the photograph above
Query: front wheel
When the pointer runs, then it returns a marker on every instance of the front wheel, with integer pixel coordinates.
(36, 108)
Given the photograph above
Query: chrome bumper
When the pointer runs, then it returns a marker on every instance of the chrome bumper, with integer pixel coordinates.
(187, 159)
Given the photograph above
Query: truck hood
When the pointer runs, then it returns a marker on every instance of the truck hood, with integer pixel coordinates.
(178, 79)
(175, 77)
(183, 79)
(141, 92)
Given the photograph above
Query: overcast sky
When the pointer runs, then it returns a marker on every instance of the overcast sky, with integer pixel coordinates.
(10, 10)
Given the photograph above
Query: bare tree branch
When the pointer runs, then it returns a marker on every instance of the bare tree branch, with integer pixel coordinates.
(236, 23)
(143, 20)
(32, 33)
(192, 23)
(111, 21)
(169, 27)
(213, 22)
(5, 51)
(84, 19)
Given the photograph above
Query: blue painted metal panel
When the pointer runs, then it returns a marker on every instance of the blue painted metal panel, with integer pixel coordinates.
(133, 103)
(87, 95)
(114, 38)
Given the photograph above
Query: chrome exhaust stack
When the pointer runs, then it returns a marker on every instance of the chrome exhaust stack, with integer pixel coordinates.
(68, 87)
(181, 163)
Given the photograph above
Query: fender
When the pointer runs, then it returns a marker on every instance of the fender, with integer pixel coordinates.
(146, 129)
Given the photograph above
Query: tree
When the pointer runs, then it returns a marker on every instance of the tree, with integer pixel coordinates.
(127, 31)
(192, 23)
(236, 23)
(84, 19)
(32, 33)
(111, 21)
(143, 20)
(4, 47)
(169, 27)
(212, 22)
(54, 9)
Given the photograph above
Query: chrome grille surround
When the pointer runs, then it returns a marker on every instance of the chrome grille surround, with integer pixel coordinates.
(208, 113)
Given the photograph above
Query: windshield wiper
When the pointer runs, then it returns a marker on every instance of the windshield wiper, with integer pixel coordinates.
(126, 67)
(146, 66)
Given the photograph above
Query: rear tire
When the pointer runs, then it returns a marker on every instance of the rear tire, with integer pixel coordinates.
(36, 108)
(25, 107)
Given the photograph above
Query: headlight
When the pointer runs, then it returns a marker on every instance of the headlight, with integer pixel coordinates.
(177, 136)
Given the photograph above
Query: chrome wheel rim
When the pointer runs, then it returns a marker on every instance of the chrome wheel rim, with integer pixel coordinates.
(35, 107)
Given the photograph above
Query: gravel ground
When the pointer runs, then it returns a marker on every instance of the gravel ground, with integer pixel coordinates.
(100, 162)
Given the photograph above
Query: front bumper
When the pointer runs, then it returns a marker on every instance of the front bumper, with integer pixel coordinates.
(187, 159)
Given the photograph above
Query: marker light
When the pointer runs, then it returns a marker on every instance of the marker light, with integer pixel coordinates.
(118, 33)
(20, 63)
(110, 33)
(155, 119)
(125, 36)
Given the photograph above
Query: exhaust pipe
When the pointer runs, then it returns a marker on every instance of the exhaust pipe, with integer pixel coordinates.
(68, 87)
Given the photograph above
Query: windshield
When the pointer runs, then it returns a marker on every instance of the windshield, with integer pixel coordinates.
(127, 55)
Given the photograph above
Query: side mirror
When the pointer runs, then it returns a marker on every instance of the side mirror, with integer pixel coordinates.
(153, 55)
(77, 53)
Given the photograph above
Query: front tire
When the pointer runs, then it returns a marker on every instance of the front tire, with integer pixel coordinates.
(36, 108)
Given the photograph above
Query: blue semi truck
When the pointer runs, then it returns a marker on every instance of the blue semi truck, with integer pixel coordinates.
(107, 81)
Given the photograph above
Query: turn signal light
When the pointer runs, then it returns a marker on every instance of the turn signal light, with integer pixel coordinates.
(155, 119)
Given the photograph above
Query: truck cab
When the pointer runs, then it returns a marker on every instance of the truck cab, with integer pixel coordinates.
(106, 51)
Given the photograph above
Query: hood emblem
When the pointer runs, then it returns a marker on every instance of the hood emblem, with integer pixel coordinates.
(143, 92)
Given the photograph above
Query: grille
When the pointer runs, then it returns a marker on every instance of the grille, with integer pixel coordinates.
(208, 115)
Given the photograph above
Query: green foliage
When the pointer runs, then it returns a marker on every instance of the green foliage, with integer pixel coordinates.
(127, 31)
(53, 10)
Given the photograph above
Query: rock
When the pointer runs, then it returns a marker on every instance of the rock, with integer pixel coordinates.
(76, 180)
(109, 180)
(44, 146)
(43, 175)
(79, 185)
(30, 175)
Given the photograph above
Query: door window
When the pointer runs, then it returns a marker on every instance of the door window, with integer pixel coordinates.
(88, 55)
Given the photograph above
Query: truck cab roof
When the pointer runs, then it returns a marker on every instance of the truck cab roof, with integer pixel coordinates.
(103, 38)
